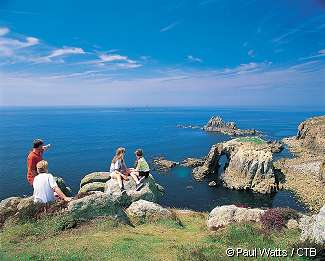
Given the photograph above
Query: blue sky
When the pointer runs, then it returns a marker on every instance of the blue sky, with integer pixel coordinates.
(160, 53)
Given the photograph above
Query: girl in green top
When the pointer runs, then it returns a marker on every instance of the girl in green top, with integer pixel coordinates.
(141, 170)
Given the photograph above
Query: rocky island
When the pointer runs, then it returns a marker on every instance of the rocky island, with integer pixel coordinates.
(217, 124)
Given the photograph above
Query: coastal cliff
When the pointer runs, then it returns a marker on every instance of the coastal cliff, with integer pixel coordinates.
(306, 169)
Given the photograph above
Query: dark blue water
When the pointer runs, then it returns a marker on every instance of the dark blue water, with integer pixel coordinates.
(84, 140)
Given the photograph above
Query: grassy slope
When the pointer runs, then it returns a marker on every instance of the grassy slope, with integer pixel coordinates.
(104, 239)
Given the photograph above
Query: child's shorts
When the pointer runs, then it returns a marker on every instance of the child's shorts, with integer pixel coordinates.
(144, 173)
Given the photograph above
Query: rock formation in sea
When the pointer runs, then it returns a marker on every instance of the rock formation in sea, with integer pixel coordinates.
(249, 167)
(217, 124)
(192, 162)
(162, 164)
(306, 169)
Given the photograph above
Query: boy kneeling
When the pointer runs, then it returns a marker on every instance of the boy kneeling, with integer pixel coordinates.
(44, 185)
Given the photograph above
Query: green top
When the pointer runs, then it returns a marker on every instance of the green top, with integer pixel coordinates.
(142, 165)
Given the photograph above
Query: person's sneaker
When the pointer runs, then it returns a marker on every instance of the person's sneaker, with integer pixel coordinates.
(123, 191)
(138, 186)
(141, 179)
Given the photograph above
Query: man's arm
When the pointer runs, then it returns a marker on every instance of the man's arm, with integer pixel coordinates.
(56, 188)
(61, 194)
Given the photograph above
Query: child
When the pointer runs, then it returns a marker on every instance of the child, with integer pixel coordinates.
(118, 168)
(142, 169)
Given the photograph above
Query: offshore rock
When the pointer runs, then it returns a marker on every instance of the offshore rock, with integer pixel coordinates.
(192, 162)
(217, 124)
(162, 164)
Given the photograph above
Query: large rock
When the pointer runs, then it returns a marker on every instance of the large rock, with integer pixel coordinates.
(192, 162)
(210, 163)
(162, 164)
(310, 139)
(151, 191)
(217, 124)
(94, 186)
(311, 134)
(143, 210)
(8, 208)
(25, 203)
(95, 177)
(250, 168)
(313, 227)
(97, 205)
(319, 227)
(222, 216)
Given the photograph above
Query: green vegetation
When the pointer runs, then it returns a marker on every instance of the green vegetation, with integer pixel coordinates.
(186, 238)
(256, 140)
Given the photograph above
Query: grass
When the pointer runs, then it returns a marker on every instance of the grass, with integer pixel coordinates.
(256, 140)
(53, 238)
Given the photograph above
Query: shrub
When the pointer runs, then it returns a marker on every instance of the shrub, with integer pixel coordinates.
(63, 222)
(272, 219)
(288, 213)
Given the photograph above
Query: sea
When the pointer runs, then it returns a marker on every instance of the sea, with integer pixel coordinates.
(84, 140)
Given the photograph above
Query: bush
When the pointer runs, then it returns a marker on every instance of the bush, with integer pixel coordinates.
(288, 213)
(64, 222)
(272, 219)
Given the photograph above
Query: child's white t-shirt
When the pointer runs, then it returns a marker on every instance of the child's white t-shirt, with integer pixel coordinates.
(44, 184)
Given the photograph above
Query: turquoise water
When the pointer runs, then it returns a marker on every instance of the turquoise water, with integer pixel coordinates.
(84, 140)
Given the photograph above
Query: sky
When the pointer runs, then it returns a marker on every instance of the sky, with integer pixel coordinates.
(162, 53)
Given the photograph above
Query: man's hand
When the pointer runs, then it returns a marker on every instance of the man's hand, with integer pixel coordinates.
(46, 147)
(67, 199)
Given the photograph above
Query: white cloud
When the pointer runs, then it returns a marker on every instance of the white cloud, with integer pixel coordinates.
(169, 27)
(246, 68)
(66, 51)
(194, 59)
(251, 53)
(4, 31)
(112, 57)
(321, 53)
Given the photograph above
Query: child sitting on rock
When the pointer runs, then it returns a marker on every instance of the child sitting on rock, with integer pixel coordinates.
(45, 185)
(141, 170)
(120, 172)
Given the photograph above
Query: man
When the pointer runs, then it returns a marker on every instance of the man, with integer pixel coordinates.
(35, 156)
(44, 185)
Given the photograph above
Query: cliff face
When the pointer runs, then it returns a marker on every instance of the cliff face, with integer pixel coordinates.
(307, 169)
(250, 168)
(311, 134)
(310, 138)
